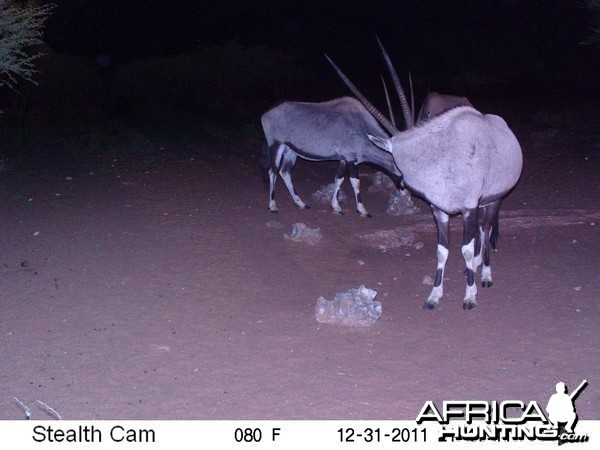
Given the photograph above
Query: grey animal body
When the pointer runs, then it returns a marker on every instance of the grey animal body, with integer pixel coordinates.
(435, 104)
(336, 130)
(461, 162)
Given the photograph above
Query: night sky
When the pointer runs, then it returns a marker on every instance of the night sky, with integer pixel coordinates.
(433, 39)
(145, 27)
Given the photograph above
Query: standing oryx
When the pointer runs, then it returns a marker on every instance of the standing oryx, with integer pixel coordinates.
(461, 162)
(336, 130)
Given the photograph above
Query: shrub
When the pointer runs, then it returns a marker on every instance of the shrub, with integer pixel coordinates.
(20, 29)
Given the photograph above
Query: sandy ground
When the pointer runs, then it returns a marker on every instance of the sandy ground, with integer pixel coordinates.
(160, 287)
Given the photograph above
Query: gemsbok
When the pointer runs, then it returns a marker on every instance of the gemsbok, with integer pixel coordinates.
(462, 162)
(336, 130)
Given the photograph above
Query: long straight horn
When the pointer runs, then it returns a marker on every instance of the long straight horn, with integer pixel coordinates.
(389, 104)
(412, 97)
(366, 103)
(408, 118)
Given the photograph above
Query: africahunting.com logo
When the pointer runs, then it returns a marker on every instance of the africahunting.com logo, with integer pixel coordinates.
(508, 420)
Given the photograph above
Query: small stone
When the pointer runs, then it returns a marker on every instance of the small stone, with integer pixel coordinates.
(427, 280)
(301, 233)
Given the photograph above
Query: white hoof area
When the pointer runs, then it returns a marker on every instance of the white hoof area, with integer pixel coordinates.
(434, 298)
(300, 204)
(486, 277)
(362, 210)
(470, 300)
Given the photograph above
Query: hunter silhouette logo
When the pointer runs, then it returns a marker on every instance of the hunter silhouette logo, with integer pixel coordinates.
(509, 420)
(561, 410)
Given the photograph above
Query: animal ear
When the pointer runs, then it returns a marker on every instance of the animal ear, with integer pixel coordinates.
(383, 144)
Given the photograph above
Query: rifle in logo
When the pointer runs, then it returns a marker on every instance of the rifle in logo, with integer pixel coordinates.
(561, 407)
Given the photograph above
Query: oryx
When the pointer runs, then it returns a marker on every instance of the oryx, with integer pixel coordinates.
(435, 104)
(461, 162)
(336, 130)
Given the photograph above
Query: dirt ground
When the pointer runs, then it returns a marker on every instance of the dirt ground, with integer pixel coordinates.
(160, 287)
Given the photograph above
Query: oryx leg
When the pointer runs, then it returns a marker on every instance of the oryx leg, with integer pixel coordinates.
(470, 230)
(490, 216)
(288, 160)
(355, 182)
(276, 152)
(479, 241)
(398, 181)
(441, 220)
(339, 179)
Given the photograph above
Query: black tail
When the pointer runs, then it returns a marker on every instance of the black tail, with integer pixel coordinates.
(264, 162)
(495, 234)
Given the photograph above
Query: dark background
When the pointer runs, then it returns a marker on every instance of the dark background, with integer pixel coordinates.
(143, 65)
(537, 43)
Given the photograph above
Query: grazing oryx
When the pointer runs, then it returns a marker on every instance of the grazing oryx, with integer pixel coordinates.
(331, 131)
(461, 162)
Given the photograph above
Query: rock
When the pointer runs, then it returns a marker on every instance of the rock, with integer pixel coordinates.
(401, 204)
(427, 280)
(325, 194)
(301, 233)
(381, 183)
(354, 308)
(389, 239)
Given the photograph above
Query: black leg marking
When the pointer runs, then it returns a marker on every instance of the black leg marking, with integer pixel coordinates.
(441, 220)
(470, 231)
(470, 277)
(339, 179)
(355, 181)
(342, 170)
(490, 233)
(398, 181)
(443, 230)
(275, 161)
(438, 277)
